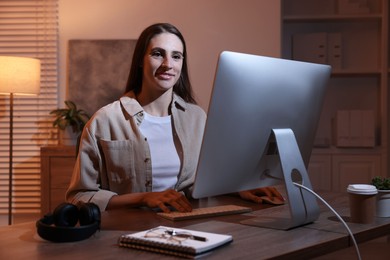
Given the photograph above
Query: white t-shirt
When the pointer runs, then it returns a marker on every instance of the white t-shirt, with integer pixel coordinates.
(165, 160)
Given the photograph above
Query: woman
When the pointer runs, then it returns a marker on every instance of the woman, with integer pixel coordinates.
(142, 150)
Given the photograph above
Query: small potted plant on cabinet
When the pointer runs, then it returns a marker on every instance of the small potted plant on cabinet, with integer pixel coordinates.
(70, 121)
(383, 197)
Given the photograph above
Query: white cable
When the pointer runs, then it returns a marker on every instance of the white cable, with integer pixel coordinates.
(337, 215)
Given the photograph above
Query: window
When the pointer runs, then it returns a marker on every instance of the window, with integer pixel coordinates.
(28, 28)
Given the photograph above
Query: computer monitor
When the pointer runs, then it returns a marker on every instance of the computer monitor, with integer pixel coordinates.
(260, 129)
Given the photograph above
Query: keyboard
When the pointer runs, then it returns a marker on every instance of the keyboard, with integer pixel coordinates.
(205, 212)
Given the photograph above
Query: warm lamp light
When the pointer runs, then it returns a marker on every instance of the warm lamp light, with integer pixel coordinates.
(18, 75)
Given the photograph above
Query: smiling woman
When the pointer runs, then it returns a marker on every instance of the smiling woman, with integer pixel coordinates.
(142, 149)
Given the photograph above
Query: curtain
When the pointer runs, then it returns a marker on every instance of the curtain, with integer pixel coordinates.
(28, 28)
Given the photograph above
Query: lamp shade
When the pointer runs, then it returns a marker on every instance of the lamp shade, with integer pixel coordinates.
(19, 75)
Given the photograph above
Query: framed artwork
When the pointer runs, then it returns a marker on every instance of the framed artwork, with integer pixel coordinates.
(98, 71)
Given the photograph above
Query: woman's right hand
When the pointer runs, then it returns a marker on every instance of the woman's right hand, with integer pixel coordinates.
(167, 198)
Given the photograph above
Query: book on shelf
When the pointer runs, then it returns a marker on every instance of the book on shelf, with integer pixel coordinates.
(174, 241)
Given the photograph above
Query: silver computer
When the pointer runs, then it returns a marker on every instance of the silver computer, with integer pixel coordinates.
(261, 125)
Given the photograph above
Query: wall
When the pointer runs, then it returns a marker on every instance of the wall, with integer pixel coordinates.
(209, 26)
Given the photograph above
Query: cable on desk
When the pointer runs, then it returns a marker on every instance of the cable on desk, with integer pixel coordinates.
(337, 215)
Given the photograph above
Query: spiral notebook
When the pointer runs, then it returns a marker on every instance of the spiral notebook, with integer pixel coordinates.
(174, 241)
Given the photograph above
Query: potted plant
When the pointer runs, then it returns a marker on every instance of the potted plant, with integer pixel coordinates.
(70, 121)
(383, 197)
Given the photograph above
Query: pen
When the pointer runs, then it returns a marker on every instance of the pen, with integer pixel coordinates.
(174, 233)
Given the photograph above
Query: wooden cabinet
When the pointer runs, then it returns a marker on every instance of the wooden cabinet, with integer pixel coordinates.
(347, 169)
(333, 171)
(56, 170)
(353, 37)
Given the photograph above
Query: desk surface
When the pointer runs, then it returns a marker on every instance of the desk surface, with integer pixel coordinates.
(323, 236)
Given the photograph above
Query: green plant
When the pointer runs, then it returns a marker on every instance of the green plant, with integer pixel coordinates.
(381, 183)
(70, 116)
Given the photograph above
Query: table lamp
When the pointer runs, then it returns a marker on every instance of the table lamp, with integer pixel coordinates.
(18, 76)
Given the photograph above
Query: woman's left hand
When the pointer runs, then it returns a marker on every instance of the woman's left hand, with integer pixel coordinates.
(256, 195)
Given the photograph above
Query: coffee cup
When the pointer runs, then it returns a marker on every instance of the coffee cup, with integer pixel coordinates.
(362, 198)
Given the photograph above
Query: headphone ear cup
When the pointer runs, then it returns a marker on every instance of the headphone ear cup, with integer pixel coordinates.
(89, 213)
(66, 215)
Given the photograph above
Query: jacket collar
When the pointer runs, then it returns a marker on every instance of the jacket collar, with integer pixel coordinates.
(134, 109)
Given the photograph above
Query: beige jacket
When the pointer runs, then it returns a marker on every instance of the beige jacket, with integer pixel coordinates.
(114, 156)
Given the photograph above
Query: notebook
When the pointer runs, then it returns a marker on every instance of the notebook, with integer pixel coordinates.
(174, 241)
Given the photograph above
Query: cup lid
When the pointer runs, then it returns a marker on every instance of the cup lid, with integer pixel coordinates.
(364, 189)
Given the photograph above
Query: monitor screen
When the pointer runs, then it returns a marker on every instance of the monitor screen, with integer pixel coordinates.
(253, 98)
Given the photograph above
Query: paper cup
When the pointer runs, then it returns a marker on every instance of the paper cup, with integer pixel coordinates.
(362, 200)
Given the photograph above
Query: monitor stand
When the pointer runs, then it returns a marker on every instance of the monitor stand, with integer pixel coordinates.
(303, 205)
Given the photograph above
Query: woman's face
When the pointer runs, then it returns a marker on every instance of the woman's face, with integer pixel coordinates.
(162, 63)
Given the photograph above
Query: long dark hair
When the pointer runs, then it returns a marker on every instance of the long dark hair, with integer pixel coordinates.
(183, 86)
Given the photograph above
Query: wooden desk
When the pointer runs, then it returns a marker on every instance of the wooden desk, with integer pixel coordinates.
(323, 236)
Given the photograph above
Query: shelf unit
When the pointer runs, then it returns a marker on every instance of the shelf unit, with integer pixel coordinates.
(359, 81)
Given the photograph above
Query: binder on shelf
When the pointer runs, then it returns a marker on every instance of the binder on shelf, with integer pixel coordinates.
(342, 128)
(334, 50)
(355, 128)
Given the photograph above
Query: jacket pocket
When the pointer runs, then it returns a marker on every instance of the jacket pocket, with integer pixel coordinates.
(119, 160)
